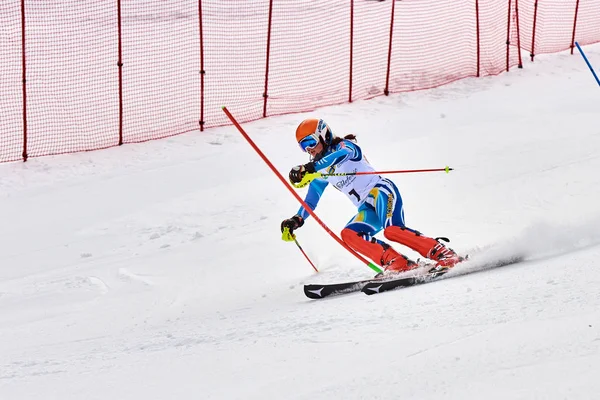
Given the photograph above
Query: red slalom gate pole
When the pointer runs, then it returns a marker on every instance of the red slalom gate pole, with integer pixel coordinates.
(306, 207)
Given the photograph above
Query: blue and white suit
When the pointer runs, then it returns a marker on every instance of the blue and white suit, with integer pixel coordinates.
(378, 200)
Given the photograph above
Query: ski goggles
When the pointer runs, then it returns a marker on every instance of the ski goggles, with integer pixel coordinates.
(309, 142)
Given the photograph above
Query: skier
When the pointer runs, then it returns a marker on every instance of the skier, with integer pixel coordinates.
(378, 201)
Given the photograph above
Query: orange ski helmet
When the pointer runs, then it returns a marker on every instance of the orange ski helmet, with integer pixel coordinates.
(311, 131)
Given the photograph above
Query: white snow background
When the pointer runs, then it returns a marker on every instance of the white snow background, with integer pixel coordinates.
(156, 270)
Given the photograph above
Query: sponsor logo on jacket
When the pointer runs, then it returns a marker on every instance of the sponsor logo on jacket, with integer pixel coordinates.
(347, 181)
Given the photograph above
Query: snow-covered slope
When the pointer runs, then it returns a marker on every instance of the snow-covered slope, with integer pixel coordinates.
(156, 271)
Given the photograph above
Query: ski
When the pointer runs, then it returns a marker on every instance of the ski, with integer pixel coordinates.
(319, 291)
(378, 287)
(316, 291)
(375, 287)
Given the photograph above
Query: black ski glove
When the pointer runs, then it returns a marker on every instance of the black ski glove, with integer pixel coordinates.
(291, 224)
(298, 172)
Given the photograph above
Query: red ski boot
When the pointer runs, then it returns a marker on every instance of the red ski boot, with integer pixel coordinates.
(432, 249)
(396, 262)
(446, 257)
(380, 252)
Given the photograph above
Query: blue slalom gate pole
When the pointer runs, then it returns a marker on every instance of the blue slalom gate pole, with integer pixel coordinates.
(587, 62)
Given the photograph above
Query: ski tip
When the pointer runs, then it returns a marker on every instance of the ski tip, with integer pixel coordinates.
(314, 291)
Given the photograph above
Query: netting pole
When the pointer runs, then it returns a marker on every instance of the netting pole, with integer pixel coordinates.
(351, 48)
(24, 79)
(574, 26)
(202, 72)
(386, 91)
(518, 34)
(478, 38)
(120, 65)
(508, 37)
(535, 8)
(265, 93)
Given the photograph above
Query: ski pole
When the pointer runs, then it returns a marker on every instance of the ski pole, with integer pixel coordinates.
(308, 177)
(588, 63)
(306, 256)
(306, 207)
(290, 237)
(446, 170)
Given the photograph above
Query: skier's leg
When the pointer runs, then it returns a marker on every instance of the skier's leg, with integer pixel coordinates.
(425, 246)
(395, 228)
(358, 235)
(375, 213)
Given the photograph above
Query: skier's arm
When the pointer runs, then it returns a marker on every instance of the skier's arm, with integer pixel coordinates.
(302, 175)
(345, 150)
(315, 190)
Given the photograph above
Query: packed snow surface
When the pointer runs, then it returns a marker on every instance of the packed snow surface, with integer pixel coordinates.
(156, 271)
